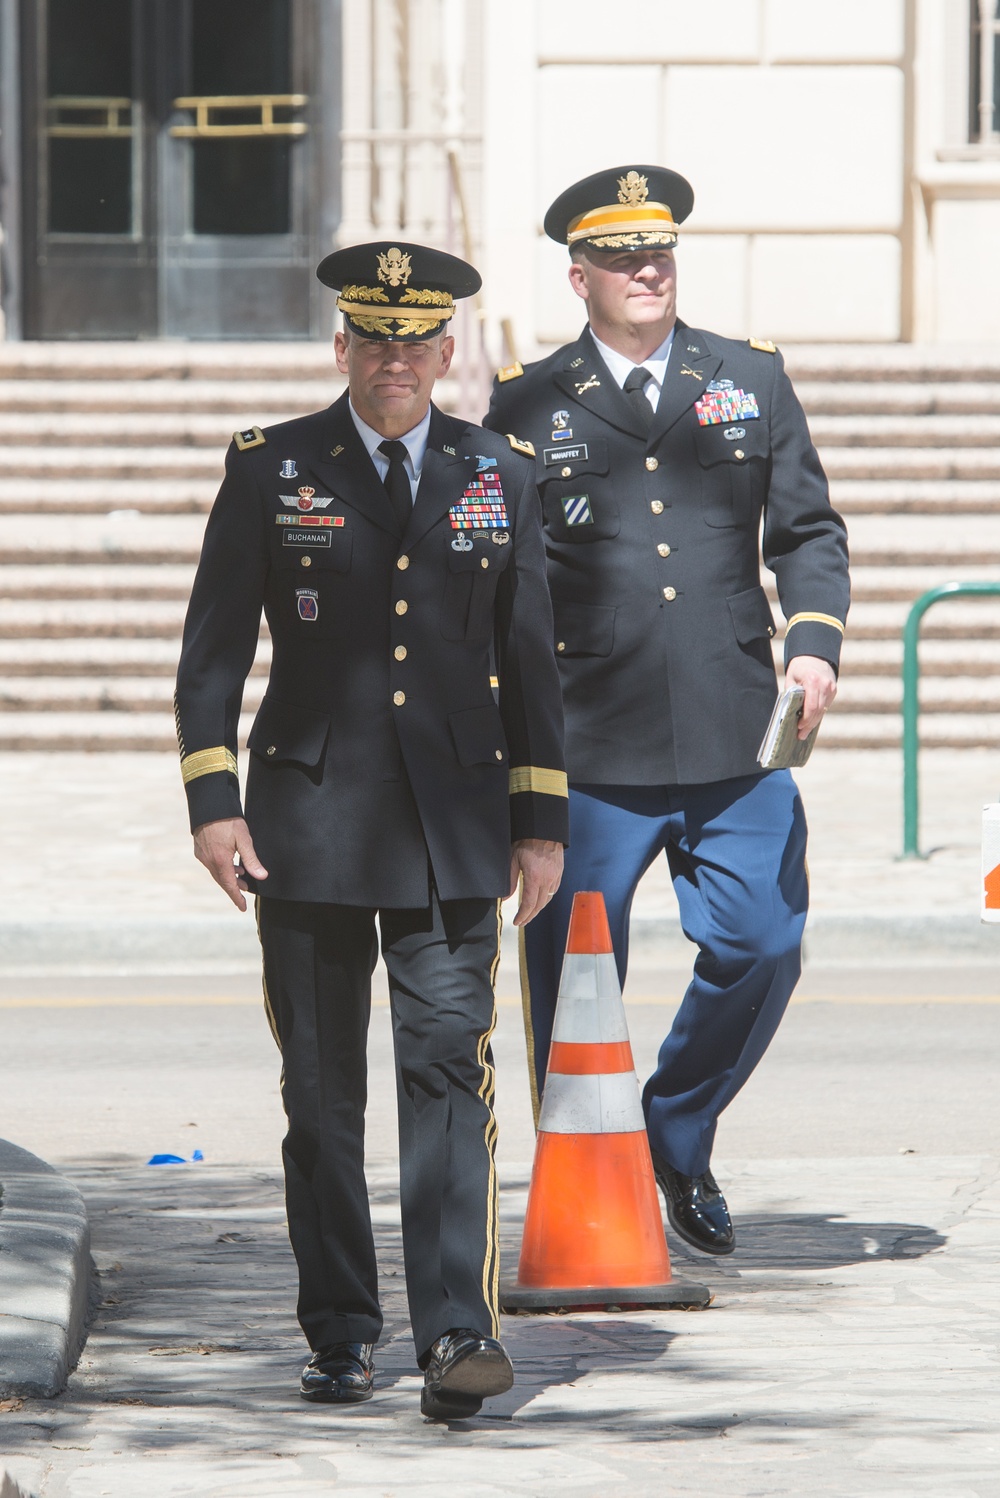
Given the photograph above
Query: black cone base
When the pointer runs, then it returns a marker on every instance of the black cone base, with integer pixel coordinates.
(676, 1295)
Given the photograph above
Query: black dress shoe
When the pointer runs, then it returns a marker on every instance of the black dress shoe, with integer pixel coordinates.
(464, 1369)
(696, 1208)
(343, 1373)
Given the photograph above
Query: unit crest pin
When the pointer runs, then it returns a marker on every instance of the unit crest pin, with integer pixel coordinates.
(288, 469)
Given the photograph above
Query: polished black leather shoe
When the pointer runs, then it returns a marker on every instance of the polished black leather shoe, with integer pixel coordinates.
(464, 1369)
(696, 1208)
(343, 1373)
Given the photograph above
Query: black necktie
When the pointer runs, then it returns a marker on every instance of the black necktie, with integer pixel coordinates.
(397, 482)
(634, 388)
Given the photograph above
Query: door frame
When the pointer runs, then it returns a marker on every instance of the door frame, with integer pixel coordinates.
(11, 285)
(18, 173)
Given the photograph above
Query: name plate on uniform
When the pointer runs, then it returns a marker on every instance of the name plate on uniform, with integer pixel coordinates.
(577, 454)
(302, 539)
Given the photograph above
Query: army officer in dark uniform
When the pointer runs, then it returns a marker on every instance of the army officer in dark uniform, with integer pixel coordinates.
(397, 555)
(659, 448)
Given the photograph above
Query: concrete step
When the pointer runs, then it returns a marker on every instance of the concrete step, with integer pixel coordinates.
(898, 363)
(97, 732)
(91, 618)
(964, 619)
(909, 432)
(42, 463)
(860, 398)
(124, 537)
(845, 730)
(117, 433)
(957, 497)
(107, 583)
(107, 656)
(103, 496)
(101, 694)
(954, 695)
(242, 401)
(903, 463)
(952, 658)
(163, 360)
(900, 583)
(879, 540)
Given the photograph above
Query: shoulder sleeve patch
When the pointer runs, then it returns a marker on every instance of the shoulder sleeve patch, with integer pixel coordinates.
(252, 437)
(764, 344)
(519, 446)
(509, 372)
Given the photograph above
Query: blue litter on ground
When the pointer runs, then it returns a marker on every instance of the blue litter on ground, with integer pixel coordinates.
(175, 1159)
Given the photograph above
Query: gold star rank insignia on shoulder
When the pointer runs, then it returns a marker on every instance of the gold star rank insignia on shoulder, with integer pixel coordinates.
(510, 372)
(764, 344)
(252, 437)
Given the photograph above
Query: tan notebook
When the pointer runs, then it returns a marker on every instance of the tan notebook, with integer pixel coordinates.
(782, 748)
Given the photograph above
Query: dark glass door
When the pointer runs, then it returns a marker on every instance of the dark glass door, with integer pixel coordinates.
(172, 152)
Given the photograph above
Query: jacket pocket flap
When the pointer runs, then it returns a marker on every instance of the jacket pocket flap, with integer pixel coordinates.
(478, 736)
(584, 628)
(283, 730)
(751, 614)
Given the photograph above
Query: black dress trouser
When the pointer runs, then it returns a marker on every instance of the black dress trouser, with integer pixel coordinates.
(441, 962)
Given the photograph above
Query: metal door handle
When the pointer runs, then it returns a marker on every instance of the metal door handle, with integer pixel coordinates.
(206, 106)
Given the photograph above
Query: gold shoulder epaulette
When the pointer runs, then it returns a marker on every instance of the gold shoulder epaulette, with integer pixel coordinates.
(252, 437)
(510, 372)
(764, 344)
(519, 446)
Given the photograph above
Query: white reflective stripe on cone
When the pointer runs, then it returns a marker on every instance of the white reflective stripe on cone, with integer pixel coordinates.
(590, 1009)
(605, 1104)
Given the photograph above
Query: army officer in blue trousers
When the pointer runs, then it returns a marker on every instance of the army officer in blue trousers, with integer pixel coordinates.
(397, 555)
(659, 448)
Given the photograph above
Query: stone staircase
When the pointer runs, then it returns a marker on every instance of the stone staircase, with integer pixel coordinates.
(112, 453)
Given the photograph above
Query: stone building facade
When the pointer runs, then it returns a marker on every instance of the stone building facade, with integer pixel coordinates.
(846, 159)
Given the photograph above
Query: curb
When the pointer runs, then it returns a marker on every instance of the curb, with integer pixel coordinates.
(849, 938)
(218, 945)
(45, 1276)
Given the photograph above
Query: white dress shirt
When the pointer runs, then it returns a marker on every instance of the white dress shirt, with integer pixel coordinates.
(621, 366)
(415, 442)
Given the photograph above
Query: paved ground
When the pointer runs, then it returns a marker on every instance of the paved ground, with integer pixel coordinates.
(852, 1348)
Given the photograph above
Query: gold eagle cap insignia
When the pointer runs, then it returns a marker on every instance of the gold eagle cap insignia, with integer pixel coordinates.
(632, 189)
(394, 267)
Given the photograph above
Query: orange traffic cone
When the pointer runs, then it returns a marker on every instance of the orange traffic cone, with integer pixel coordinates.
(593, 1234)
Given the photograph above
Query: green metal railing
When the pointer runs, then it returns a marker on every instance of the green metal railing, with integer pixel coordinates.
(911, 701)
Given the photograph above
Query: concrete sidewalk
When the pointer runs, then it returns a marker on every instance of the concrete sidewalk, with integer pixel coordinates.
(98, 874)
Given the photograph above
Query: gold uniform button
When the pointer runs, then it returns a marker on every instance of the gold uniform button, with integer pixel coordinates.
(272, 748)
(402, 606)
(663, 549)
(656, 506)
(306, 561)
(399, 698)
(561, 645)
(670, 594)
(400, 652)
(499, 753)
(652, 464)
(485, 562)
(567, 472)
(402, 563)
(739, 453)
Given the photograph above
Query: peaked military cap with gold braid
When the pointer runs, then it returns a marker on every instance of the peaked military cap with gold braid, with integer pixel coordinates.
(395, 292)
(624, 208)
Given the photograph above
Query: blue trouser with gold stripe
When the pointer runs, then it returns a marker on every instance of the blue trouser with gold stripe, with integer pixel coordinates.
(736, 854)
(441, 961)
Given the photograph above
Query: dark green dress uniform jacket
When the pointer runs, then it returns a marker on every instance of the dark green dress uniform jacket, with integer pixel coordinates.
(380, 740)
(662, 628)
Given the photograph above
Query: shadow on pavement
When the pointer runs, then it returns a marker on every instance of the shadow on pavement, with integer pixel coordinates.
(814, 1241)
